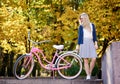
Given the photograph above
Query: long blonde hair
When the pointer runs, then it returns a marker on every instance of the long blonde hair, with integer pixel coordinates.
(86, 21)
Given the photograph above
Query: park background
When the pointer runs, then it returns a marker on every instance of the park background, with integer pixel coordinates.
(54, 20)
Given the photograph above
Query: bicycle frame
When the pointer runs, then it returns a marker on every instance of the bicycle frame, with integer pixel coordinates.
(51, 64)
(62, 61)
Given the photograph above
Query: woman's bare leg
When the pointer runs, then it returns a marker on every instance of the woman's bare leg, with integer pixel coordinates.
(86, 65)
(92, 64)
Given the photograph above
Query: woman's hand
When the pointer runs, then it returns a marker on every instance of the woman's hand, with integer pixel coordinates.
(77, 48)
(96, 45)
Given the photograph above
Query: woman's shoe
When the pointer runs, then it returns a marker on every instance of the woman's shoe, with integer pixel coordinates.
(88, 77)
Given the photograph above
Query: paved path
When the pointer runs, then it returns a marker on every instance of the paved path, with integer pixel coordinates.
(49, 81)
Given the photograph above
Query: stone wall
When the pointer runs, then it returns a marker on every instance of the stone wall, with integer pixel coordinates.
(111, 64)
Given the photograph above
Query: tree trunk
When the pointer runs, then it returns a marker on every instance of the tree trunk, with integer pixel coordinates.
(4, 65)
(10, 64)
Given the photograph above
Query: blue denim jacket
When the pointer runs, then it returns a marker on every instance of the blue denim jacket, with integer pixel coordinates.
(80, 34)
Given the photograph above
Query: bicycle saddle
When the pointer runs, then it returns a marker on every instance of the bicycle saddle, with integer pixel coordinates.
(60, 47)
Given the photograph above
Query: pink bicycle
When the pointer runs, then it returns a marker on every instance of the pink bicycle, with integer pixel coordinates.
(68, 63)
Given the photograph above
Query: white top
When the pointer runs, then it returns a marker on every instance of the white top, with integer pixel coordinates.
(88, 34)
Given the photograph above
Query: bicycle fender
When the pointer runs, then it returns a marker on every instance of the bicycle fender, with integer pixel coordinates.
(69, 52)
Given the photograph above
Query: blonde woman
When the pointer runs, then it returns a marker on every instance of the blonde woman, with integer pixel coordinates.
(87, 41)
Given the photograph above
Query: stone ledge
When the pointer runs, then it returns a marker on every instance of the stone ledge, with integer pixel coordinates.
(43, 80)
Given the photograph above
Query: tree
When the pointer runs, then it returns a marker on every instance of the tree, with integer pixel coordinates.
(56, 21)
(105, 14)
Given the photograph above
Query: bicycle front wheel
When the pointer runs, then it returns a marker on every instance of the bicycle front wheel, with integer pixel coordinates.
(70, 72)
(23, 66)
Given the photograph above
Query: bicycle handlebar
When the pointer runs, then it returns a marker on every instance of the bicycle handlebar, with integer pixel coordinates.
(33, 42)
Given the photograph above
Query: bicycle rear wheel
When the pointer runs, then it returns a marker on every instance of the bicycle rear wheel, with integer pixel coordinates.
(73, 71)
(23, 66)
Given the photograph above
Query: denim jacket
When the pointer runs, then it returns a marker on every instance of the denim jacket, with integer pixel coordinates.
(80, 34)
